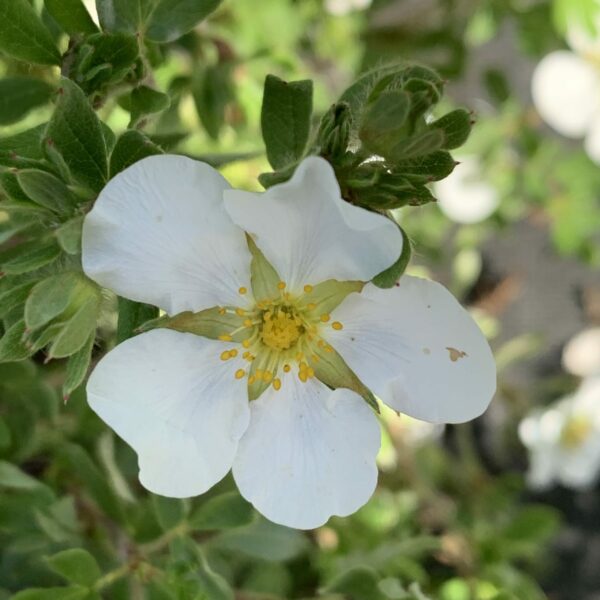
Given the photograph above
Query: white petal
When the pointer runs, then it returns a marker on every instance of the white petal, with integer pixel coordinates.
(566, 92)
(309, 453)
(172, 399)
(581, 356)
(407, 343)
(464, 196)
(309, 234)
(159, 233)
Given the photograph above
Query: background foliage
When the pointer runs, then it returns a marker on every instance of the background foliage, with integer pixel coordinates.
(252, 87)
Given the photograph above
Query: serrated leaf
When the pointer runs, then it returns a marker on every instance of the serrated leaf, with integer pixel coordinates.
(225, 511)
(146, 101)
(286, 119)
(77, 366)
(389, 277)
(75, 133)
(456, 127)
(71, 15)
(24, 36)
(76, 566)
(46, 190)
(18, 95)
(131, 147)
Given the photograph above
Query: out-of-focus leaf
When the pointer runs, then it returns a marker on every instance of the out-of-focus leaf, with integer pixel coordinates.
(18, 95)
(46, 190)
(69, 235)
(76, 566)
(76, 134)
(357, 584)
(131, 147)
(78, 366)
(12, 477)
(170, 19)
(146, 101)
(12, 347)
(71, 15)
(24, 36)
(456, 127)
(285, 119)
(74, 592)
(31, 256)
(169, 511)
(212, 90)
(225, 511)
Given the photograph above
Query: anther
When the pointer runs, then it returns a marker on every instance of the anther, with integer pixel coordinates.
(287, 368)
(243, 291)
(225, 338)
(246, 343)
(277, 383)
(267, 376)
(248, 323)
(324, 317)
(222, 311)
(225, 355)
(281, 285)
(233, 353)
(311, 306)
(251, 379)
(337, 325)
(239, 373)
(240, 312)
(308, 288)
(310, 372)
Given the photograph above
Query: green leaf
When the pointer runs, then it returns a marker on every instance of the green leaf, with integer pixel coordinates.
(74, 592)
(263, 276)
(169, 512)
(71, 15)
(264, 540)
(170, 19)
(456, 127)
(24, 36)
(225, 511)
(5, 436)
(15, 150)
(146, 101)
(131, 147)
(46, 190)
(51, 297)
(76, 566)
(131, 315)
(14, 296)
(13, 478)
(123, 15)
(31, 256)
(357, 584)
(389, 277)
(12, 346)
(76, 134)
(384, 121)
(69, 235)
(285, 119)
(77, 367)
(212, 91)
(213, 584)
(18, 95)
(77, 330)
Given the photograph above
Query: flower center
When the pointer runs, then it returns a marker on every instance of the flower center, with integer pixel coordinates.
(281, 327)
(575, 431)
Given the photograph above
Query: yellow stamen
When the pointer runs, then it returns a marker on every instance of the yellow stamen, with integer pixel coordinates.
(233, 353)
(324, 317)
(225, 338)
(239, 373)
(267, 376)
(277, 383)
(251, 379)
(311, 306)
(337, 325)
(328, 349)
(281, 285)
(243, 291)
(287, 368)
(222, 311)
(225, 355)
(310, 372)
(246, 343)
(240, 312)
(248, 323)
(308, 289)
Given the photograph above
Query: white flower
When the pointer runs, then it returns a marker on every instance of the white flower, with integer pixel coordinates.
(465, 196)
(564, 440)
(566, 90)
(340, 8)
(581, 356)
(270, 283)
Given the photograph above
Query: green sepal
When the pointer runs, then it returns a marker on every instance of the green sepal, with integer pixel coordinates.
(328, 295)
(210, 323)
(263, 276)
(332, 370)
(263, 362)
(455, 127)
(389, 277)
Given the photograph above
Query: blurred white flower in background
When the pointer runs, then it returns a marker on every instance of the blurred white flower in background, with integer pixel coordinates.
(564, 440)
(566, 89)
(465, 196)
(581, 356)
(339, 8)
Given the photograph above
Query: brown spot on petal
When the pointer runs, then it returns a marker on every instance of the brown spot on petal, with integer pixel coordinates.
(455, 354)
